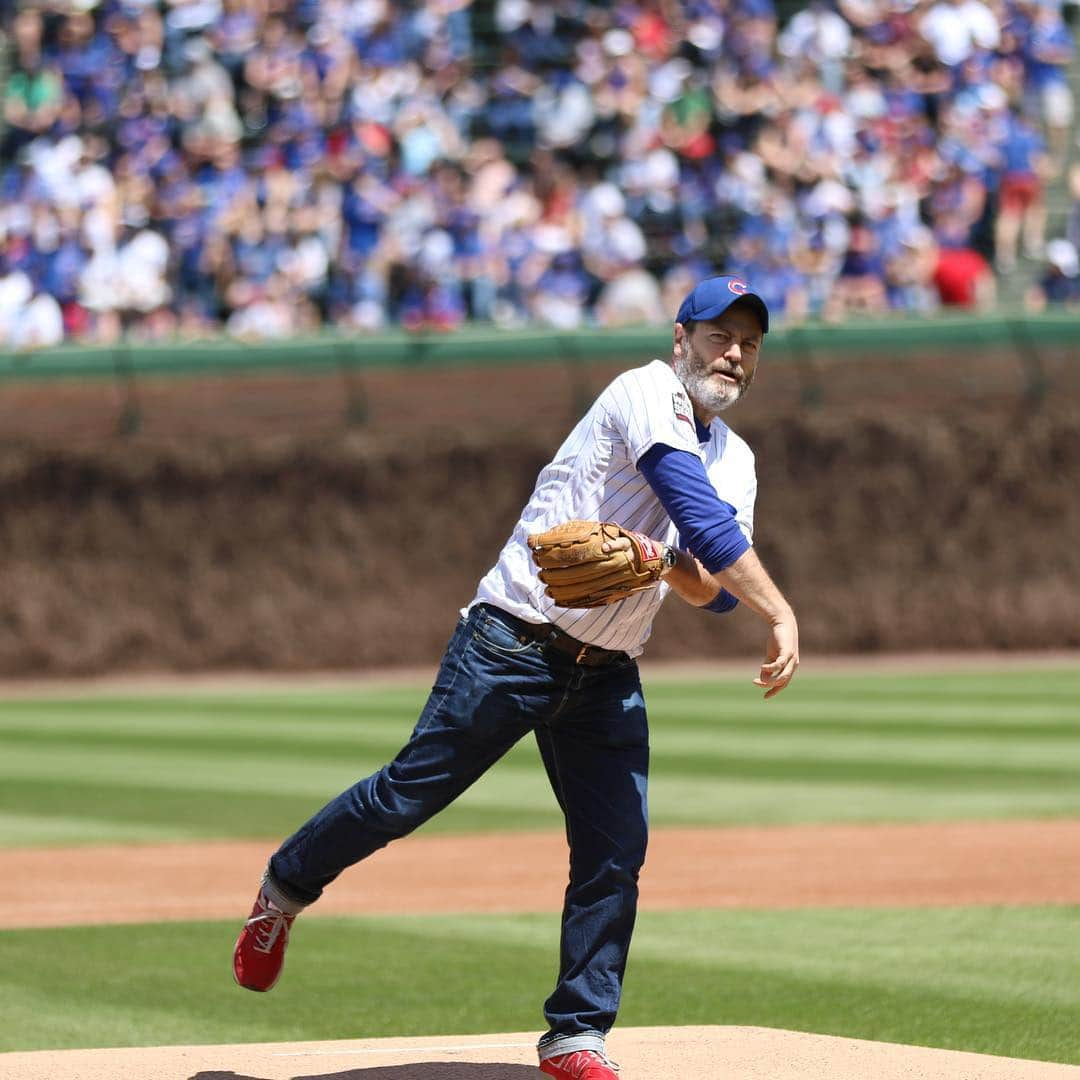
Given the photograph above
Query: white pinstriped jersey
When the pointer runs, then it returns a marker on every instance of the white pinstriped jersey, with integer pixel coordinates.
(594, 477)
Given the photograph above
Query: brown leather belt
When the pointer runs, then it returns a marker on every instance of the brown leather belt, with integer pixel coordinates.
(550, 635)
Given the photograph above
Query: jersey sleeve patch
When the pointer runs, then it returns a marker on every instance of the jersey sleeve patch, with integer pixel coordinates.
(680, 403)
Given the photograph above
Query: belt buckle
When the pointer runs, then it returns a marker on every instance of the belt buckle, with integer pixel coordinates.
(582, 653)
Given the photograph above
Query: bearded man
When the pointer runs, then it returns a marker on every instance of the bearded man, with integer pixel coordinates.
(652, 457)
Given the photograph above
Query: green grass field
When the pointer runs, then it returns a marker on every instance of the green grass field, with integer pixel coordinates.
(868, 748)
(832, 749)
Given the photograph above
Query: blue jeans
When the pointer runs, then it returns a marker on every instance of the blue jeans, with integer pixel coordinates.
(492, 688)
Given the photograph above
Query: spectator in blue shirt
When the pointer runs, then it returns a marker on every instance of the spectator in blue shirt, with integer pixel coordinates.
(1047, 51)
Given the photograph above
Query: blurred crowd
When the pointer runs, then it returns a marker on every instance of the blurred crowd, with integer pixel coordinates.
(269, 167)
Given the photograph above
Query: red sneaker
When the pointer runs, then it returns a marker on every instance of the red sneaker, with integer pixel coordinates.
(580, 1065)
(260, 948)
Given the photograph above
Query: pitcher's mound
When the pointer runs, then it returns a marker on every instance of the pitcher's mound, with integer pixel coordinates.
(704, 1053)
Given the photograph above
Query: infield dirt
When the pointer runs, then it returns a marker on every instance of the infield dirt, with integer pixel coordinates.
(960, 863)
(1009, 862)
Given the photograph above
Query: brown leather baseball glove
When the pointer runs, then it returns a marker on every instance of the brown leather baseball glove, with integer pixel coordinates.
(578, 573)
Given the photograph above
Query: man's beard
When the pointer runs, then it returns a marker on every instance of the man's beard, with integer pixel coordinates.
(709, 394)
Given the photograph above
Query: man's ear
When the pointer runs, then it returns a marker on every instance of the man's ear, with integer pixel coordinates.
(681, 341)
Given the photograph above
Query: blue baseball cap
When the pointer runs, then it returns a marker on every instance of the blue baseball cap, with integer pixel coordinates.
(713, 296)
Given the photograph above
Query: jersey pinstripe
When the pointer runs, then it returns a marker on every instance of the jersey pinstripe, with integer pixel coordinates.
(594, 476)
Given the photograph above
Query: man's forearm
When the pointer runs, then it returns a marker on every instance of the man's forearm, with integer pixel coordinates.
(691, 580)
(748, 580)
(745, 578)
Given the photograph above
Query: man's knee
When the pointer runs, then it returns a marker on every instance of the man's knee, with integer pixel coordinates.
(387, 809)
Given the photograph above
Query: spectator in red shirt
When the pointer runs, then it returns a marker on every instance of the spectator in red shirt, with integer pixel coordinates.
(964, 279)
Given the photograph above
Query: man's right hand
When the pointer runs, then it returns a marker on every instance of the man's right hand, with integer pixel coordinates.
(781, 656)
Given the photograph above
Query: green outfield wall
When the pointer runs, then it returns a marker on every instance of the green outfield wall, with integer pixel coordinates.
(481, 377)
(1016, 334)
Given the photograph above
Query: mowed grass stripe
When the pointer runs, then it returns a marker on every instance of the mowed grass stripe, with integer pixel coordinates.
(861, 748)
(738, 801)
(45, 829)
(911, 717)
(87, 813)
(892, 769)
(32, 812)
(282, 712)
(813, 741)
(978, 697)
(908, 764)
(364, 724)
(1007, 682)
(989, 980)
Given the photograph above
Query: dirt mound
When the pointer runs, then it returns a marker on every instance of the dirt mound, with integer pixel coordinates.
(643, 1054)
(890, 529)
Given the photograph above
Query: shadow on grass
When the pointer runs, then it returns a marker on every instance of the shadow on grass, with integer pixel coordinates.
(419, 1070)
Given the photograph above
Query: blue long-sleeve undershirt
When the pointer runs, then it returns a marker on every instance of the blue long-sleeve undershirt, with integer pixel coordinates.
(706, 523)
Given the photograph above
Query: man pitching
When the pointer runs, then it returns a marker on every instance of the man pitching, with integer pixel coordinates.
(651, 492)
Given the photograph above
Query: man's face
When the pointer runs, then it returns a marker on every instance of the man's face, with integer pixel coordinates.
(716, 361)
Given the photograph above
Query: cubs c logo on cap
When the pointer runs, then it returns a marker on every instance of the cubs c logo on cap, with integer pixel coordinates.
(713, 296)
